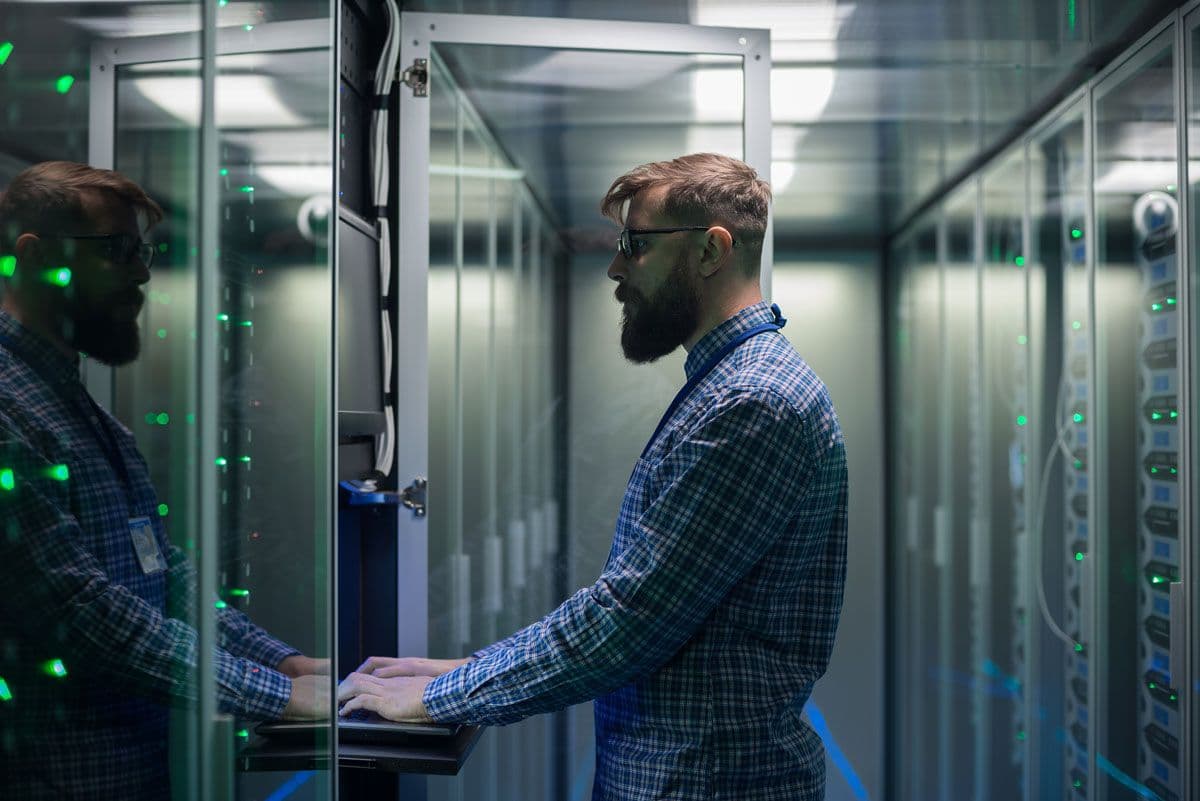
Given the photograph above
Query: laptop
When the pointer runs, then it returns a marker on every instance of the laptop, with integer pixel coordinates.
(360, 727)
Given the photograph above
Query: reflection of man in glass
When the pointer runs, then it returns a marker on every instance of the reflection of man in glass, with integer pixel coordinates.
(716, 612)
(93, 597)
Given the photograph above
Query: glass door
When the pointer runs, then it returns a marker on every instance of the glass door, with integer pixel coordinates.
(231, 398)
(507, 143)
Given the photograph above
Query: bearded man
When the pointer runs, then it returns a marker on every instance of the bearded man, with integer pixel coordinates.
(90, 586)
(716, 612)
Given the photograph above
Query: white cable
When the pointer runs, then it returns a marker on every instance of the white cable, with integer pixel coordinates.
(385, 443)
(1059, 446)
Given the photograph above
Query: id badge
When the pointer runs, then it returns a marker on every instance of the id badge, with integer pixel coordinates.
(141, 531)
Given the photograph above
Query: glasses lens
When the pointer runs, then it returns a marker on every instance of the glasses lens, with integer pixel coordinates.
(624, 245)
(146, 253)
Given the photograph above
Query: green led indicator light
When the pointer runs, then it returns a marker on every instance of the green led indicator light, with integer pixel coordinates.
(55, 668)
(8, 481)
(64, 84)
(247, 189)
(1078, 647)
(1170, 187)
(1076, 325)
(1174, 471)
(1076, 233)
(163, 418)
(224, 171)
(59, 277)
(1174, 414)
(222, 3)
(1156, 307)
(245, 460)
(244, 734)
(5, 51)
(220, 604)
(1022, 340)
(1078, 464)
(1157, 580)
(5, 693)
(221, 461)
(191, 418)
(1151, 685)
(1076, 784)
(1019, 261)
(150, 418)
(1155, 415)
(246, 323)
(1174, 697)
(163, 247)
(1071, 25)
(239, 593)
(1021, 735)
(59, 472)
(1077, 417)
(162, 333)
(163, 510)
(8, 266)
(1078, 556)
(247, 28)
(1022, 420)
(222, 317)
(1153, 471)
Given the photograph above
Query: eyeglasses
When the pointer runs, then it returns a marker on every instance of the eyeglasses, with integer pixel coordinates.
(119, 248)
(625, 240)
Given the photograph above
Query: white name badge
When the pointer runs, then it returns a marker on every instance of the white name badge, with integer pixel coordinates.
(141, 532)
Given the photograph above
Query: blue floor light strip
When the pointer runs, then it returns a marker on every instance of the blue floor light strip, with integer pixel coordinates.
(291, 785)
(1123, 778)
(831, 747)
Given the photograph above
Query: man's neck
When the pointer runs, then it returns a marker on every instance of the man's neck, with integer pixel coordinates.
(37, 324)
(721, 311)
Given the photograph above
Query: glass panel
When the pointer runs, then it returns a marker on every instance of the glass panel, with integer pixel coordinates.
(274, 353)
(1061, 534)
(957, 492)
(1000, 574)
(1138, 331)
(1193, 156)
(922, 635)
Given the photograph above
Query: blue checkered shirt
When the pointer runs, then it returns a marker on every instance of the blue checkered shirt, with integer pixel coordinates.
(72, 589)
(717, 609)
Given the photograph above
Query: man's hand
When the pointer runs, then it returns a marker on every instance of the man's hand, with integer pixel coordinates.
(397, 698)
(385, 667)
(309, 699)
(297, 665)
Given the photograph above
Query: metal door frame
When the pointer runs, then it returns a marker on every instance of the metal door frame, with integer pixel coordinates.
(419, 33)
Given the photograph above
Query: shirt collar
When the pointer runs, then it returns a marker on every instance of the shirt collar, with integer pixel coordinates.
(41, 356)
(725, 333)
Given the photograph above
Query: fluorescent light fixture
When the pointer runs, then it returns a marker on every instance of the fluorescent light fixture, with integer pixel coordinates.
(1136, 177)
(298, 180)
(590, 69)
(799, 31)
(243, 101)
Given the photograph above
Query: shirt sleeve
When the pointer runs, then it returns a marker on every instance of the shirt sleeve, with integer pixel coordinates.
(720, 499)
(49, 583)
(238, 634)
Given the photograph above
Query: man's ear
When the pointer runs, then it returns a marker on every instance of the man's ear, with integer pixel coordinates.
(30, 251)
(718, 251)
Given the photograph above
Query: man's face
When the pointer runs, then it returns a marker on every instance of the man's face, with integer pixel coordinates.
(657, 287)
(100, 307)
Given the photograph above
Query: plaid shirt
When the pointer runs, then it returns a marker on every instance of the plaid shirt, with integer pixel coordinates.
(72, 589)
(717, 609)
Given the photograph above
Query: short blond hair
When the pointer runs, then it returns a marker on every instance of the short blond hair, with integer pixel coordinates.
(699, 189)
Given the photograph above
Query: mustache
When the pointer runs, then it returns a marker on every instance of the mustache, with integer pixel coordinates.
(624, 294)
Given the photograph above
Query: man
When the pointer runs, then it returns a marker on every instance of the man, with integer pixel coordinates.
(717, 609)
(93, 597)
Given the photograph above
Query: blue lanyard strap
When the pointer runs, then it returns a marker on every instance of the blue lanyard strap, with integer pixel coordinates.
(711, 365)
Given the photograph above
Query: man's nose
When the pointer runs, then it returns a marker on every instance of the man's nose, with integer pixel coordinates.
(616, 269)
(141, 273)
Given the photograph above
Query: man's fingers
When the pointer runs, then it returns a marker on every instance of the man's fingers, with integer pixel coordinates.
(391, 671)
(356, 683)
(372, 663)
(351, 705)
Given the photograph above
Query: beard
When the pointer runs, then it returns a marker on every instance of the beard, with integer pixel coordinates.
(103, 330)
(653, 327)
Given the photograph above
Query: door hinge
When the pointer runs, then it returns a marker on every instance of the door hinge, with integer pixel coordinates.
(413, 496)
(417, 77)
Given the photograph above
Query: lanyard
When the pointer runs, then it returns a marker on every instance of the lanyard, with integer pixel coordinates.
(710, 365)
(100, 431)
